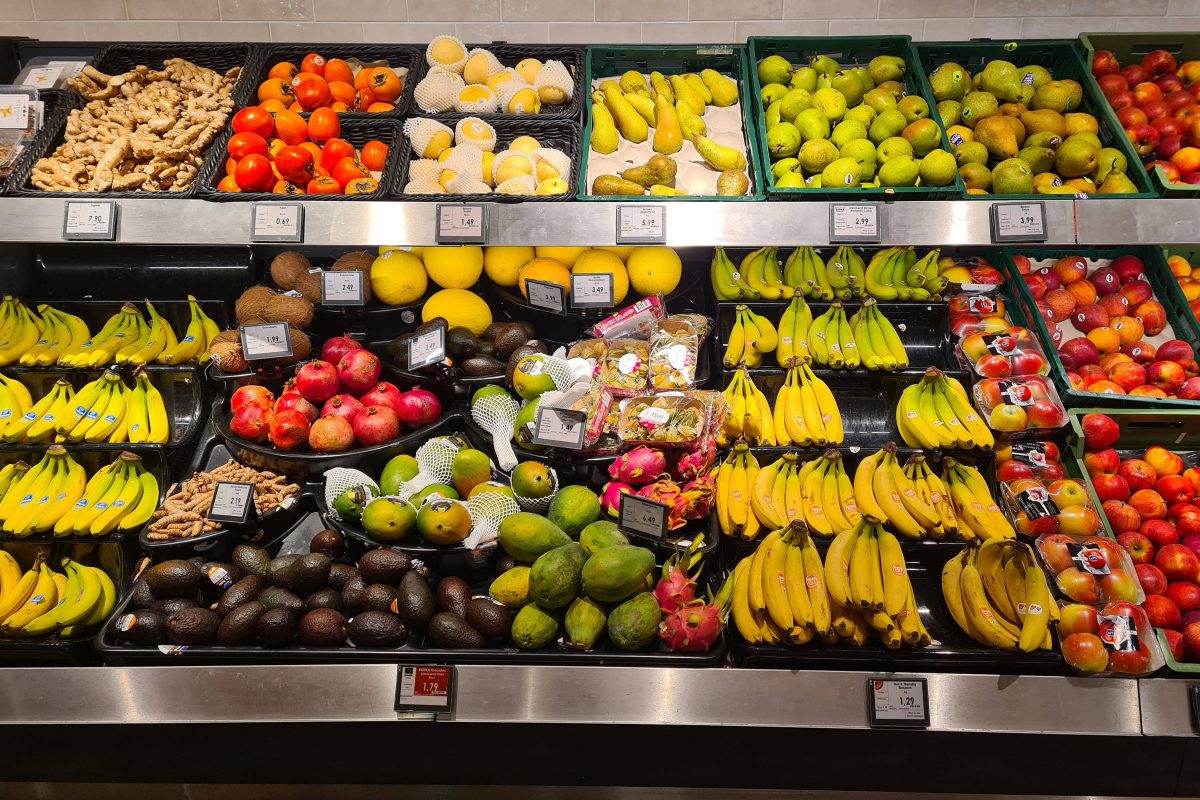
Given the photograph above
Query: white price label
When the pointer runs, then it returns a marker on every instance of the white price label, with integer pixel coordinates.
(14, 111)
(1019, 222)
(560, 427)
(231, 503)
(277, 222)
(96, 220)
(461, 224)
(898, 703)
(549, 296)
(643, 517)
(42, 77)
(854, 222)
(342, 288)
(425, 689)
(269, 340)
(592, 291)
(641, 224)
(428, 348)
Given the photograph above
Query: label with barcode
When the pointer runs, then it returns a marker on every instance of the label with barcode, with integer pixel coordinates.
(269, 340)
(277, 222)
(425, 689)
(641, 225)
(642, 516)
(459, 224)
(342, 288)
(231, 503)
(1019, 222)
(543, 294)
(592, 291)
(427, 348)
(560, 427)
(898, 703)
(854, 222)
(94, 220)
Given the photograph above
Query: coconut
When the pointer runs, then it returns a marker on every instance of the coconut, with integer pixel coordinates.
(309, 285)
(228, 356)
(250, 308)
(295, 311)
(286, 268)
(227, 336)
(361, 261)
(301, 347)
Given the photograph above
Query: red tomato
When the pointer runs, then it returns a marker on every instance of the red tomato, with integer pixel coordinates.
(243, 144)
(348, 169)
(253, 119)
(323, 185)
(295, 164)
(374, 155)
(324, 125)
(254, 173)
(334, 151)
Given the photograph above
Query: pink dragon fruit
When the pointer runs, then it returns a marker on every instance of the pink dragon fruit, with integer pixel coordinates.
(694, 463)
(610, 497)
(691, 628)
(639, 465)
(677, 586)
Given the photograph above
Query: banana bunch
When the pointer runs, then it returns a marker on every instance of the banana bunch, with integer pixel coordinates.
(842, 277)
(20, 329)
(793, 334)
(933, 492)
(736, 476)
(120, 496)
(35, 498)
(831, 340)
(936, 413)
(759, 276)
(36, 424)
(61, 333)
(805, 413)
(977, 513)
(878, 343)
(748, 414)
(751, 336)
(895, 273)
(42, 602)
(15, 401)
(779, 592)
(828, 501)
(886, 493)
(196, 341)
(999, 596)
(776, 497)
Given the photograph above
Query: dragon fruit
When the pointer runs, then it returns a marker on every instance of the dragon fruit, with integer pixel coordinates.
(610, 497)
(640, 465)
(691, 628)
(695, 463)
(677, 586)
(693, 501)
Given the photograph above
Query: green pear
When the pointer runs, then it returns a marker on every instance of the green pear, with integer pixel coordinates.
(971, 153)
(1001, 79)
(889, 123)
(976, 176)
(848, 131)
(805, 78)
(864, 75)
(1034, 76)
(1084, 136)
(813, 124)
(880, 99)
(938, 169)
(851, 87)
(1054, 95)
(1109, 159)
(977, 106)
(1044, 139)
(892, 148)
(1012, 176)
(795, 101)
(950, 111)
(1117, 183)
(772, 92)
(924, 136)
(842, 173)
(824, 65)
(1039, 159)
(783, 140)
(901, 170)
(886, 68)
(949, 81)
(790, 180)
(784, 165)
(812, 182)
(774, 114)
(774, 69)
(913, 107)
(1076, 157)
(831, 102)
(816, 154)
(1044, 119)
(1074, 94)
(861, 113)
(863, 152)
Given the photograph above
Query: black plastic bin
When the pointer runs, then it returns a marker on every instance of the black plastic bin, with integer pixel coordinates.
(396, 55)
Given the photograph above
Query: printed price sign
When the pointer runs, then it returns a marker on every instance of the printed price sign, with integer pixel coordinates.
(857, 222)
(342, 288)
(14, 111)
(269, 340)
(428, 348)
(643, 517)
(461, 224)
(592, 291)
(544, 294)
(1019, 222)
(425, 689)
(277, 222)
(893, 703)
(560, 427)
(94, 221)
(641, 225)
(232, 503)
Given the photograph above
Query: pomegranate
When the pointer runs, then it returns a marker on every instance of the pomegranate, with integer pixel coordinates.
(289, 429)
(291, 400)
(317, 381)
(418, 407)
(338, 347)
(359, 370)
(252, 422)
(345, 406)
(376, 425)
(251, 395)
(384, 394)
(330, 435)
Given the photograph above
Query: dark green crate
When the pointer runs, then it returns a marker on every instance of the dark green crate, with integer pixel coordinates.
(1062, 59)
(671, 59)
(1192, 255)
(1130, 47)
(846, 50)
(1179, 317)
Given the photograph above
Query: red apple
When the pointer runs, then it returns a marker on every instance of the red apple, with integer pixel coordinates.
(1138, 474)
(1085, 652)
(1119, 585)
(1077, 618)
(1151, 578)
(1141, 551)
(1170, 84)
(1111, 487)
(1163, 460)
(1166, 375)
(1192, 543)
(1013, 470)
(1135, 74)
(1179, 100)
(1190, 390)
(1076, 353)
(1177, 562)
(1160, 532)
(1174, 644)
(1191, 642)
(1162, 612)
(1149, 504)
(1104, 62)
(1157, 62)
(1169, 144)
(1147, 91)
(1170, 171)
(1100, 462)
(1167, 127)
(1037, 285)
(1100, 430)
(1056, 552)
(1132, 115)
(1177, 350)
(1128, 267)
(1156, 109)
(1122, 99)
(1122, 517)
(1174, 489)
(1185, 595)
(1143, 136)
(1113, 83)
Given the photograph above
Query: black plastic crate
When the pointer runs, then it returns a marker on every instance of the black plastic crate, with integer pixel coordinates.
(396, 55)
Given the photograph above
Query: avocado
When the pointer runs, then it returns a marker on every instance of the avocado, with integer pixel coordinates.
(504, 563)
(323, 627)
(193, 626)
(414, 601)
(240, 625)
(487, 349)
(461, 342)
(482, 365)
(277, 597)
(140, 596)
(340, 575)
(330, 543)
(491, 330)
(376, 629)
(452, 595)
(378, 597)
(508, 339)
(244, 591)
(352, 593)
(279, 568)
(252, 560)
(143, 627)
(384, 565)
(489, 618)
(324, 598)
(276, 628)
(172, 605)
(453, 633)
(304, 574)
(220, 576)
(174, 578)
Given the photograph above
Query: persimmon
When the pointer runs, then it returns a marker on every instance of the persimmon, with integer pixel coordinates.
(254, 173)
(363, 99)
(363, 79)
(241, 145)
(295, 164)
(385, 84)
(291, 127)
(323, 185)
(380, 108)
(362, 186)
(274, 146)
(276, 89)
(313, 93)
(272, 106)
(338, 107)
(341, 91)
(349, 169)
(284, 70)
(313, 148)
(334, 151)
(228, 184)
(324, 125)
(338, 70)
(253, 119)
(300, 77)
(286, 187)
(315, 63)
(374, 155)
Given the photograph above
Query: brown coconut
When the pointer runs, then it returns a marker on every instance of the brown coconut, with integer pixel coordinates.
(309, 285)
(301, 347)
(251, 307)
(361, 261)
(295, 311)
(228, 356)
(286, 269)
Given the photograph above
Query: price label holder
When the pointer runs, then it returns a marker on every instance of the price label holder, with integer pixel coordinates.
(1019, 222)
(898, 703)
(855, 223)
(560, 427)
(93, 220)
(1194, 694)
(233, 503)
(426, 691)
(543, 294)
(342, 288)
(269, 340)
(277, 222)
(643, 517)
(641, 225)
(592, 291)
(428, 348)
(457, 224)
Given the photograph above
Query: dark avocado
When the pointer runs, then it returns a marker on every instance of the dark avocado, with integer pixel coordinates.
(252, 560)
(453, 633)
(279, 570)
(461, 342)
(384, 565)
(482, 365)
(142, 627)
(323, 627)
(452, 595)
(220, 577)
(277, 597)
(491, 330)
(340, 575)
(309, 573)
(508, 339)
(414, 601)
(174, 578)
(141, 596)
(193, 626)
(378, 597)
(324, 598)
(352, 593)
(530, 332)
(376, 629)
(487, 349)
(436, 322)
(172, 605)
(244, 591)
(240, 625)
(504, 564)
(330, 543)
(537, 344)
(489, 618)
(276, 628)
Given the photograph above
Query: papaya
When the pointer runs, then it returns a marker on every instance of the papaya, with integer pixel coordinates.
(633, 624)
(511, 588)
(525, 536)
(573, 509)
(616, 572)
(584, 622)
(601, 534)
(534, 627)
(554, 579)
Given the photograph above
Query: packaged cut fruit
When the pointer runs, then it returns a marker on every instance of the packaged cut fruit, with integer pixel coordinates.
(1090, 571)
(624, 368)
(1013, 352)
(1017, 405)
(674, 351)
(1059, 506)
(636, 321)
(978, 313)
(596, 402)
(1028, 459)
(1115, 639)
(668, 420)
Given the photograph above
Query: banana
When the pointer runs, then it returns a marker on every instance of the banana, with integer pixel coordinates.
(125, 501)
(774, 580)
(915, 431)
(67, 494)
(909, 618)
(96, 486)
(142, 335)
(160, 424)
(739, 493)
(1014, 581)
(952, 591)
(137, 418)
(874, 572)
(766, 338)
(735, 346)
(960, 404)
(814, 507)
(887, 496)
(101, 611)
(827, 407)
(818, 341)
(190, 345)
(799, 272)
(850, 355)
(743, 615)
(42, 599)
(19, 593)
(845, 491)
(82, 522)
(1036, 624)
(159, 338)
(837, 565)
(753, 269)
(891, 339)
(795, 580)
(83, 592)
(88, 397)
(23, 337)
(762, 500)
(794, 494)
(757, 598)
(140, 514)
(104, 352)
(878, 274)
(983, 619)
(864, 492)
(921, 511)
(814, 419)
(10, 572)
(17, 430)
(990, 563)
(896, 584)
(724, 501)
(721, 273)
(837, 272)
(23, 493)
(862, 581)
(773, 274)
(11, 406)
(54, 334)
(78, 354)
(831, 499)
(814, 582)
(44, 427)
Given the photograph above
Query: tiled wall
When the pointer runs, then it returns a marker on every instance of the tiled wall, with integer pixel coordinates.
(585, 21)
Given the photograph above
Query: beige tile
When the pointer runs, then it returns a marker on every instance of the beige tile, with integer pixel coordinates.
(1112, 8)
(16, 9)
(132, 31)
(1184, 7)
(1129, 24)
(406, 32)
(789, 27)
(173, 9)
(823, 9)
(870, 27)
(640, 10)
(62, 31)
(79, 9)
(548, 10)
(224, 31)
(687, 32)
(941, 30)
(1022, 8)
(316, 32)
(268, 10)
(745, 9)
(923, 9)
(373, 10)
(453, 10)
(483, 32)
(596, 32)
(1064, 27)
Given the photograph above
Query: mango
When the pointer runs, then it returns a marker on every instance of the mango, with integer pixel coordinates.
(633, 624)
(573, 509)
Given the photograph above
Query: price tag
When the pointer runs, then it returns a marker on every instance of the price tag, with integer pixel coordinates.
(232, 503)
(1194, 691)
(592, 291)
(426, 690)
(544, 294)
(269, 340)
(14, 111)
(428, 348)
(854, 222)
(643, 517)
(560, 427)
(1019, 222)
(641, 224)
(342, 288)
(277, 222)
(93, 220)
(461, 224)
(893, 703)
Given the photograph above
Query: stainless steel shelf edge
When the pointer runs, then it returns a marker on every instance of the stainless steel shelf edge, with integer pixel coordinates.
(1166, 706)
(567, 695)
(1117, 222)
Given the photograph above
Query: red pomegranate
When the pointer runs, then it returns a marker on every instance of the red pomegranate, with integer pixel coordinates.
(418, 407)
(342, 405)
(384, 394)
(289, 429)
(359, 370)
(337, 348)
(376, 425)
(252, 421)
(292, 400)
(317, 381)
(251, 395)
(331, 435)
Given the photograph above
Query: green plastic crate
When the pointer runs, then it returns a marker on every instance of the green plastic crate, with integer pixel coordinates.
(1061, 58)
(1130, 47)
(1179, 317)
(729, 60)
(846, 50)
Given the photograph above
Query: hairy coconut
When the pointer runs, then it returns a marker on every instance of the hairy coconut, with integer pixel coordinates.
(297, 312)
(309, 285)
(287, 267)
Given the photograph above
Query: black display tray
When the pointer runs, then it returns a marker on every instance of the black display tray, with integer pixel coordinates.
(397, 55)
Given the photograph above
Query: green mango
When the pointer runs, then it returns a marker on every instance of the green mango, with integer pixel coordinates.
(615, 572)
(554, 579)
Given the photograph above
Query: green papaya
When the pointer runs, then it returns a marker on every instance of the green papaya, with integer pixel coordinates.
(633, 624)
(511, 588)
(584, 623)
(525, 536)
(601, 534)
(554, 579)
(616, 572)
(573, 509)
(534, 627)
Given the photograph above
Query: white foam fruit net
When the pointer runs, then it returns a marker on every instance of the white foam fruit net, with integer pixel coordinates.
(496, 414)
(339, 479)
(488, 510)
(435, 459)
(539, 505)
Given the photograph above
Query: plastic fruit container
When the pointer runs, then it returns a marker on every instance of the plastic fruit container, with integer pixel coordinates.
(1040, 508)
(1115, 639)
(1090, 571)
(978, 313)
(1020, 405)
(1013, 352)
(1029, 459)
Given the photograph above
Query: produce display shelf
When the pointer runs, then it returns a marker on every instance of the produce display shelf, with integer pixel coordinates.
(1165, 704)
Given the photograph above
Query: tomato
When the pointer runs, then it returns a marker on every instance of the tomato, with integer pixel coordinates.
(228, 184)
(362, 186)
(254, 173)
(272, 106)
(284, 70)
(374, 155)
(385, 84)
(338, 70)
(253, 120)
(379, 108)
(295, 164)
(323, 125)
(291, 127)
(323, 185)
(275, 89)
(348, 169)
(286, 187)
(334, 151)
(313, 63)
(241, 145)
(363, 99)
(341, 91)
(313, 93)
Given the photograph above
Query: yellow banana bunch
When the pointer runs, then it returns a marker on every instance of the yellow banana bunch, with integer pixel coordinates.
(44, 494)
(736, 476)
(196, 339)
(763, 274)
(77, 602)
(895, 273)
(846, 273)
(752, 335)
(936, 413)
(121, 329)
(62, 332)
(727, 282)
(20, 330)
(887, 494)
(931, 490)
(779, 592)
(121, 495)
(978, 515)
(805, 413)
(999, 596)
(775, 497)
(878, 343)
(793, 330)
(748, 414)
(14, 402)
(828, 504)
(831, 340)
